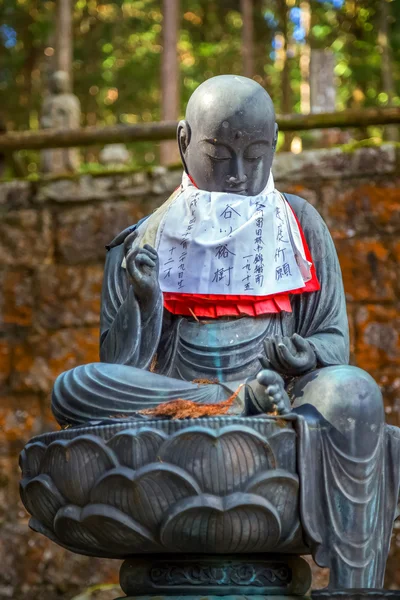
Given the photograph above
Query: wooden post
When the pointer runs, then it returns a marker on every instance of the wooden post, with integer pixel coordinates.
(305, 58)
(246, 7)
(391, 133)
(169, 153)
(322, 81)
(323, 93)
(286, 103)
(63, 41)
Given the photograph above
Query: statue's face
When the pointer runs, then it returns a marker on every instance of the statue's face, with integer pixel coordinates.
(228, 145)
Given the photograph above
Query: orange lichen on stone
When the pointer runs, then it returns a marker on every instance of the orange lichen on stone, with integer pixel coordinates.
(205, 381)
(41, 358)
(5, 361)
(20, 419)
(377, 337)
(362, 208)
(368, 268)
(16, 298)
(187, 409)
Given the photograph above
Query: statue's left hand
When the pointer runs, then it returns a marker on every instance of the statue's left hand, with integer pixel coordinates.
(291, 356)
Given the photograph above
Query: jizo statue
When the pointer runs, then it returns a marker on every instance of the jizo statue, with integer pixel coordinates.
(231, 295)
(61, 110)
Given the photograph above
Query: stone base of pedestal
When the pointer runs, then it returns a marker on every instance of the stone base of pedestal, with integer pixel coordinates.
(195, 577)
(219, 597)
(356, 594)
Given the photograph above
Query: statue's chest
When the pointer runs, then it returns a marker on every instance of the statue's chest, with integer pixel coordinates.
(223, 350)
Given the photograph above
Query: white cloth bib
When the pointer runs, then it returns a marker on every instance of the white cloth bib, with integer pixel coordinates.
(219, 243)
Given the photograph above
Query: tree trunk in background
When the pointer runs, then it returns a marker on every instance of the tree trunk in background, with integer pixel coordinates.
(305, 59)
(247, 10)
(170, 77)
(286, 104)
(391, 133)
(63, 42)
(323, 93)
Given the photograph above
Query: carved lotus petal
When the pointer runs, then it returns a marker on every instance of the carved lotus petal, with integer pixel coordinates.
(135, 448)
(42, 499)
(283, 444)
(146, 494)
(98, 524)
(221, 461)
(281, 489)
(31, 458)
(75, 465)
(70, 530)
(236, 523)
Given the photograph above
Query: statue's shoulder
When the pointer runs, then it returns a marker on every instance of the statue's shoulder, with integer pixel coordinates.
(306, 213)
(120, 237)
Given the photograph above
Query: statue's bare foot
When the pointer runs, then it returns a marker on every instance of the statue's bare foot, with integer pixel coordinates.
(267, 393)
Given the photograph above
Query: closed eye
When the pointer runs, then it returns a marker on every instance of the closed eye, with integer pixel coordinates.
(219, 158)
(256, 150)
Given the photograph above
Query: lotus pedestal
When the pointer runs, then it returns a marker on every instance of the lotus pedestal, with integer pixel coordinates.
(196, 508)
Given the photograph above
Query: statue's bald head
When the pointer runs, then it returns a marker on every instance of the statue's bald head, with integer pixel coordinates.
(228, 139)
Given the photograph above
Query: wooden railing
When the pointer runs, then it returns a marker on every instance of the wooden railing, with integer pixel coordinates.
(87, 136)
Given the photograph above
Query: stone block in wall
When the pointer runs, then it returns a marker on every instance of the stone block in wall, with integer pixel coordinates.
(82, 233)
(16, 298)
(164, 181)
(20, 419)
(16, 194)
(25, 238)
(389, 381)
(132, 185)
(68, 296)
(378, 337)
(369, 268)
(362, 208)
(41, 358)
(333, 163)
(82, 189)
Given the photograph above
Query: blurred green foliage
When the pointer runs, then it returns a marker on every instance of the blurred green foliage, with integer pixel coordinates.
(118, 47)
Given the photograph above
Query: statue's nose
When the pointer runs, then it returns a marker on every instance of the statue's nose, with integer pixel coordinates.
(240, 176)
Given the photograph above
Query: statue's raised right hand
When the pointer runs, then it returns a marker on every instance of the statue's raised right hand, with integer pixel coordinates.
(142, 266)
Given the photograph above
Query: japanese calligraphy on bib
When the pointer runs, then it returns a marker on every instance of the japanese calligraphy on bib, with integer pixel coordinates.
(219, 243)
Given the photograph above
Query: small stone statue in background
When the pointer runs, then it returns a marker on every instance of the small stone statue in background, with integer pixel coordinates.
(61, 110)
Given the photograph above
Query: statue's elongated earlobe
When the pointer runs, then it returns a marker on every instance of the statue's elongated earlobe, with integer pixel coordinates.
(275, 142)
(183, 135)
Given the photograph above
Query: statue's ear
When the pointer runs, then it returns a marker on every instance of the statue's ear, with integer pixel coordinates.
(183, 134)
(274, 143)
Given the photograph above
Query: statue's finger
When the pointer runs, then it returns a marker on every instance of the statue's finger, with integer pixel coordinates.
(130, 256)
(150, 250)
(270, 351)
(289, 344)
(264, 361)
(129, 240)
(145, 260)
(300, 343)
(286, 356)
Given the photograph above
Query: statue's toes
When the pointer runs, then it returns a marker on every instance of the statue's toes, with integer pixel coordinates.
(269, 378)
